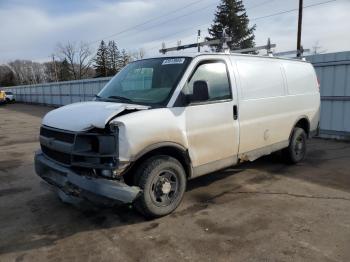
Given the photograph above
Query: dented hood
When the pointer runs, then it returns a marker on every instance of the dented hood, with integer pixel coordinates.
(86, 115)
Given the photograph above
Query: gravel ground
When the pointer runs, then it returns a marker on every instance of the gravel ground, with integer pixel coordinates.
(260, 211)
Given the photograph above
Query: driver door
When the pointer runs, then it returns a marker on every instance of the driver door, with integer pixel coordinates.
(212, 129)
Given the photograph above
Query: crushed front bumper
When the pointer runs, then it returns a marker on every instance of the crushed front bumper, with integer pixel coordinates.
(72, 185)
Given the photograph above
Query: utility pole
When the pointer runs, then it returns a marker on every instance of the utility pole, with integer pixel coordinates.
(300, 21)
(54, 66)
(198, 40)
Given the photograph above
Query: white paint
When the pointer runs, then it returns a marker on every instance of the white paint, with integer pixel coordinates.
(85, 115)
(278, 93)
(266, 104)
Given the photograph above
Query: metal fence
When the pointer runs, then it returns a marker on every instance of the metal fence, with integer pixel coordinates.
(61, 93)
(333, 71)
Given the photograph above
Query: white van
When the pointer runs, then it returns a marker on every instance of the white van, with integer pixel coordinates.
(162, 121)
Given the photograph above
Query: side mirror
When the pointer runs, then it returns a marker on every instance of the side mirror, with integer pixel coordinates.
(200, 91)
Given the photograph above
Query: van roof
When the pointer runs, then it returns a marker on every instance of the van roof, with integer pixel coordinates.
(195, 54)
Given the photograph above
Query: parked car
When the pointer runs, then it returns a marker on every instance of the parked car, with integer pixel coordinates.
(10, 98)
(162, 121)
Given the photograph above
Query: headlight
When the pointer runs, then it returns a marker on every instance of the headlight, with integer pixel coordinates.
(113, 128)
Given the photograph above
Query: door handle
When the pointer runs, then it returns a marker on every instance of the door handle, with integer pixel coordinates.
(235, 112)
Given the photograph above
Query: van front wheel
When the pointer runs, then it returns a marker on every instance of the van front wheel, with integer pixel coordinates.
(296, 150)
(163, 183)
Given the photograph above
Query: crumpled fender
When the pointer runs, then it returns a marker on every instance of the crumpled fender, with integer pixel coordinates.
(142, 129)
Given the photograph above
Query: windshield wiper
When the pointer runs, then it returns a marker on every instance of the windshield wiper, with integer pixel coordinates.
(113, 98)
(121, 98)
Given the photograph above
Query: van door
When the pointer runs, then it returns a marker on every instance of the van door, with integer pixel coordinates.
(212, 127)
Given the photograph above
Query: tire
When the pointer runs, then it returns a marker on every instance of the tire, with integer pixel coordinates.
(296, 150)
(163, 183)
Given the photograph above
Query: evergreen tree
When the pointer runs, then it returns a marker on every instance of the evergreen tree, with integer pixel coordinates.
(232, 17)
(113, 57)
(64, 71)
(101, 64)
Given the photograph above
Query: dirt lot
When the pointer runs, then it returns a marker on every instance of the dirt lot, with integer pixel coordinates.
(261, 211)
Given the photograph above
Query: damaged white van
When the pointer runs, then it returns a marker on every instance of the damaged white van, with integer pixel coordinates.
(162, 121)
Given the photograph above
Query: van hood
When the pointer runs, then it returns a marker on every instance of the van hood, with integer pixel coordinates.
(86, 115)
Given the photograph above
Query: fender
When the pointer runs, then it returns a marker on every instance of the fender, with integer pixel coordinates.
(186, 160)
(158, 146)
(298, 119)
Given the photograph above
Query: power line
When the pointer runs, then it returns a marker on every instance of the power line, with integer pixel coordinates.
(148, 21)
(260, 4)
(206, 24)
(256, 18)
(291, 10)
(177, 33)
(175, 18)
(172, 19)
(197, 10)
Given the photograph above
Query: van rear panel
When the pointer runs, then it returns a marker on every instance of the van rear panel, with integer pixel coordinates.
(273, 95)
(301, 78)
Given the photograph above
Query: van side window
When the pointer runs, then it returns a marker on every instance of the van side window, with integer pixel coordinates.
(216, 76)
(260, 79)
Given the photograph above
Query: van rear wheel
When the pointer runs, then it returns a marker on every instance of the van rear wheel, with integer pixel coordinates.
(163, 183)
(296, 150)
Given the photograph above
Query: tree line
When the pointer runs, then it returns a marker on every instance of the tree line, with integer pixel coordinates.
(77, 61)
(71, 61)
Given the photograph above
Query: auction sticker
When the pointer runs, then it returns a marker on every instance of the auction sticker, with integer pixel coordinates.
(173, 61)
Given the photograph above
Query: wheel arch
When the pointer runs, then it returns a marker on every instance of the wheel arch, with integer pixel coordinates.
(302, 122)
(165, 148)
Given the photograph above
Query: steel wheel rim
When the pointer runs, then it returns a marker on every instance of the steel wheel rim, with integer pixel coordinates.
(164, 188)
(299, 147)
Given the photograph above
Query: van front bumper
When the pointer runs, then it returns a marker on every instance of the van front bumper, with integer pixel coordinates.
(71, 185)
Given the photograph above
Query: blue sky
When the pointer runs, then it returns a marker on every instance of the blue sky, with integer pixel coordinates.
(31, 29)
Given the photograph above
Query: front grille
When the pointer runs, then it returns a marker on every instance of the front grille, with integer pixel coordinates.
(80, 149)
(57, 134)
(57, 156)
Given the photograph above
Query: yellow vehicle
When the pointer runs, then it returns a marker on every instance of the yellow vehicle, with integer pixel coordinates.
(2, 97)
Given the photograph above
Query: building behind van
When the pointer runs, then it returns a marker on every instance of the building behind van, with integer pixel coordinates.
(162, 121)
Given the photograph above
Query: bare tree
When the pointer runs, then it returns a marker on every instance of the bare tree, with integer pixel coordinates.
(85, 59)
(51, 69)
(68, 52)
(27, 72)
(125, 58)
(139, 54)
(79, 58)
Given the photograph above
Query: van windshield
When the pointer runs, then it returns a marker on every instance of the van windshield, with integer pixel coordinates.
(149, 82)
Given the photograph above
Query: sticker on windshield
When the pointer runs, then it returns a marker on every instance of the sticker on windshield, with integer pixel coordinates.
(173, 61)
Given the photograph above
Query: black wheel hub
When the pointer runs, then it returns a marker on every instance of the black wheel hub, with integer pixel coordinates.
(164, 188)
